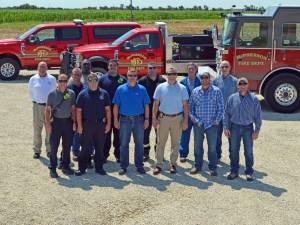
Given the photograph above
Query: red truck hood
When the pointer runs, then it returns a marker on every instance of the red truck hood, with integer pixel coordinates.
(92, 47)
(9, 41)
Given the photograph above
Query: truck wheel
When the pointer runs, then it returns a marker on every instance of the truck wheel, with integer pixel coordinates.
(99, 71)
(282, 93)
(9, 69)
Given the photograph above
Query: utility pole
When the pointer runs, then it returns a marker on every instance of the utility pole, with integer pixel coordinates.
(131, 15)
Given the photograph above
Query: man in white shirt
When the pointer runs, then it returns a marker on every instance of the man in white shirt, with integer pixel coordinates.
(40, 85)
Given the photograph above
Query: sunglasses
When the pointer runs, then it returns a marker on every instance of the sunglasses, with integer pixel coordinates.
(172, 74)
(224, 67)
(93, 80)
(132, 75)
(77, 75)
(62, 81)
(204, 77)
(152, 68)
(242, 84)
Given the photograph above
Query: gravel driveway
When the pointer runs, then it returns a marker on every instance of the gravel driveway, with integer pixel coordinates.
(29, 196)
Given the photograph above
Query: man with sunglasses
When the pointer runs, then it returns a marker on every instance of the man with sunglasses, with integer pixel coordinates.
(131, 115)
(228, 85)
(171, 99)
(190, 82)
(241, 111)
(150, 82)
(94, 121)
(206, 110)
(40, 85)
(110, 82)
(60, 122)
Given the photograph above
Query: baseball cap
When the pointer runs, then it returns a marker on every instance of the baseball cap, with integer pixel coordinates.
(244, 79)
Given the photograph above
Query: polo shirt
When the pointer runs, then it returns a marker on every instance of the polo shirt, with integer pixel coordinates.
(77, 89)
(65, 109)
(131, 100)
(93, 103)
(111, 83)
(171, 97)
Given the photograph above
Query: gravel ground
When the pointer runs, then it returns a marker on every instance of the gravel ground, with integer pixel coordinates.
(29, 196)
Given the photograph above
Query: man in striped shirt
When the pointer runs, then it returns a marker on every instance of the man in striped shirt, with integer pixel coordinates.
(241, 111)
(206, 110)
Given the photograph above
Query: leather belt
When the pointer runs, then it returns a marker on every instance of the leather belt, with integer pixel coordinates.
(95, 121)
(131, 117)
(172, 115)
(44, 104)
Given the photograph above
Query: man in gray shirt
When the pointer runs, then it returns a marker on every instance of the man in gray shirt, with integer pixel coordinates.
(228, 85)
(60, 122)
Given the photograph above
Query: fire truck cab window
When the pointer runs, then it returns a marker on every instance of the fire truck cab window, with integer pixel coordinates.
(143, 41)
(45, 35)
(253, 34)
(291, 34)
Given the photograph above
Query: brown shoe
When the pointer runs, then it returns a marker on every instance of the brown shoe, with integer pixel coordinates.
(173, 169)
(182, 159)
(213, 173)
(157, 170)
(194, 171)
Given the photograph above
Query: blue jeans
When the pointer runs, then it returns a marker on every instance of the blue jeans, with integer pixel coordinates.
(211, 136)
(185, 140)
(219, 140)
(136, 127)
(239, 132)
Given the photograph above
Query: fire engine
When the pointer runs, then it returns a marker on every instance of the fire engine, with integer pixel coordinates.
(265, 48)
(138, 47)
(46, 42)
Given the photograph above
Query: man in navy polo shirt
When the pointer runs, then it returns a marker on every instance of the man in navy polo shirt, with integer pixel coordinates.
(94, 121)
(110, 82)
(131, 106)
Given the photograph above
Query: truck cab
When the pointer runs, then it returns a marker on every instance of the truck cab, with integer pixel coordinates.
(264, 48)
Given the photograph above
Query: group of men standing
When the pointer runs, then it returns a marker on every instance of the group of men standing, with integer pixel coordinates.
(111, 104)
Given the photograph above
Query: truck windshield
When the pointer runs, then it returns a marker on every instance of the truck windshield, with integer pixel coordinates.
(27, 33)
(228, 32)
(121, 39)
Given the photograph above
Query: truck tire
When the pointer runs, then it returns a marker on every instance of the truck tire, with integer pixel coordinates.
(282, 93)
(99, 71)
(9, 69)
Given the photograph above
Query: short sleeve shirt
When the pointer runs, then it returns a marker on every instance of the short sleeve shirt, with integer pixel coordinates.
(65, 109)
(171, 97)
(131, 100)
(93, 103)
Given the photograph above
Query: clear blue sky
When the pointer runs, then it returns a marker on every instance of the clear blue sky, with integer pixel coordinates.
(146, 3)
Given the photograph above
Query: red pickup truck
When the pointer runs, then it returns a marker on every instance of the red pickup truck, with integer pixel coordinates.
(138, 47)
(46, 42)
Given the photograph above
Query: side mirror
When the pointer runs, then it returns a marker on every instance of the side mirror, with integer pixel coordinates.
(32, 39)
(127, 45)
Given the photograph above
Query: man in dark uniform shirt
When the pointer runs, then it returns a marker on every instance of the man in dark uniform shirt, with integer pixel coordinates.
(110, 82)
(94, 121)
(150, 82)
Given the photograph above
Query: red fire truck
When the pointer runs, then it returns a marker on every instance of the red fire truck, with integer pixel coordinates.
(138, 47)
(46, 42)
(265, 48)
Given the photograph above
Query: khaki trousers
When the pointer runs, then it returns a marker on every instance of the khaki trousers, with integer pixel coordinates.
(172, 125)
(38, 124)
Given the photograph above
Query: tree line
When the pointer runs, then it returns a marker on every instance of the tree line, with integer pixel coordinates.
(129, 7)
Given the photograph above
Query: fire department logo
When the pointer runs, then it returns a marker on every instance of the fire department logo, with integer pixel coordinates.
(42, 53)
(136, 59)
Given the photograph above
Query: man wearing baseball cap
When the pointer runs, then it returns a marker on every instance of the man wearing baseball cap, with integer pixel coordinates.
(206, 110)
(241, 112)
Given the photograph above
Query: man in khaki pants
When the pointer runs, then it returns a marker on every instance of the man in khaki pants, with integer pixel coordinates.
(40, 85)
(171, 99)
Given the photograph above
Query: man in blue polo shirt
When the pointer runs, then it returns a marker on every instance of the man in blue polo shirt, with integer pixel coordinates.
(94, 121)
(131, 115)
